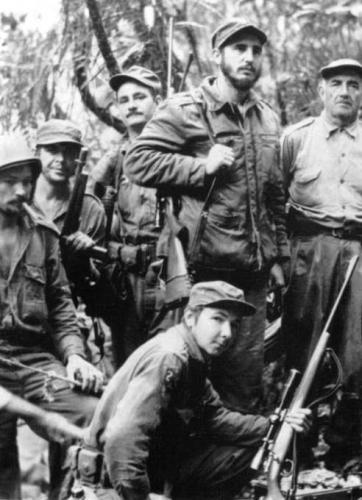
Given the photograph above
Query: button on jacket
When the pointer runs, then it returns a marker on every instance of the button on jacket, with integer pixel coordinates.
(248, 202)
(35, 298)
(164, 378)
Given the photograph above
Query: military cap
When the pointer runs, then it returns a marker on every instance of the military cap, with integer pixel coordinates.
(220, 294)
(228, 29)
(14, 152)
(339, 65)
(55, 130)
(138, 74)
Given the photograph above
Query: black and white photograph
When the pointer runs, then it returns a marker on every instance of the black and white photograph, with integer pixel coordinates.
(180, 250)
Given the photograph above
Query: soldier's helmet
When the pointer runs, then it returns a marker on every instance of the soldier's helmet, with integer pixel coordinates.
(15, 152)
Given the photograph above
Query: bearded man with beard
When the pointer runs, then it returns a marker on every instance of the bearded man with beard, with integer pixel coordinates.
(217, 148)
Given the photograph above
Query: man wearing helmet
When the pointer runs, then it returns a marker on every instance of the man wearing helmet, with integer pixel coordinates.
(38, 326)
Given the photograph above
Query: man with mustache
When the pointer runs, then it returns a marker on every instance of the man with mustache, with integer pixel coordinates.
(134, 233)
(217, 148)
(322, 162)
(38, 324)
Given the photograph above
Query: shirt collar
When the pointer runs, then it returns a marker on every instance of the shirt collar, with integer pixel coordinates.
(332, 128)
(216, 103)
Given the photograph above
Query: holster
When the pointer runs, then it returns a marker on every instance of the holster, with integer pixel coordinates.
(87, 464)
(137, 258)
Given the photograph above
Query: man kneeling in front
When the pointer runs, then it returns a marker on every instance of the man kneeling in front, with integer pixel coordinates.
(160, 422)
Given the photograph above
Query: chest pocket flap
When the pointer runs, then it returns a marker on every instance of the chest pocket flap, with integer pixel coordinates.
(34, 283)
(305, 176)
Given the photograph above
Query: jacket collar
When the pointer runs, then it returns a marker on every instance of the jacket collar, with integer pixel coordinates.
(189, 339)
(216, 103)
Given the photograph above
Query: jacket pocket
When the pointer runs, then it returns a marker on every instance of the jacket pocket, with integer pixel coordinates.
(267, 154)
(34, 304)
(225, 243)
(305, 189)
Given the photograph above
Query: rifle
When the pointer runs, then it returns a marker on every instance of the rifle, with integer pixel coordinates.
(169, 56)
(262, 457)
(178, 283)
(72, 217)
(279, 448)
(49, 377)
(190, 58)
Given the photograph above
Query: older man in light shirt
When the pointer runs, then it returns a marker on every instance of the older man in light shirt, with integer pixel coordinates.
(322, 159)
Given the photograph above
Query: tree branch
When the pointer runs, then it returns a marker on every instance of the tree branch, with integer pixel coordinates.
(81, 81)
(102, 37)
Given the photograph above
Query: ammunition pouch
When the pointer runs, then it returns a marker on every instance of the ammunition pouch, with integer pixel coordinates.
(137, 258)
(87, 465)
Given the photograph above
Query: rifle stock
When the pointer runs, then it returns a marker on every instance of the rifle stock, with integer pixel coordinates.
(285, 434)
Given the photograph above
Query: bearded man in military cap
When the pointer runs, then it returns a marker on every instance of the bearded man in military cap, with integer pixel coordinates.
(134, 230)
(217, 146)
(38, 325)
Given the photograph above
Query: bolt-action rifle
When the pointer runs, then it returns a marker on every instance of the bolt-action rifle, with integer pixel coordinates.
(72, 217)
(278, 447)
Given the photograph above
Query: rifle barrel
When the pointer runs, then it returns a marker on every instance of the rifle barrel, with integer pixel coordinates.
(169, 58)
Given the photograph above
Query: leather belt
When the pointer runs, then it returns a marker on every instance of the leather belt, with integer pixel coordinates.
(299, 225)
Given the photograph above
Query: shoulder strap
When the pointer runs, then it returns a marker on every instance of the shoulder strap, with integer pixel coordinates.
(201, 224)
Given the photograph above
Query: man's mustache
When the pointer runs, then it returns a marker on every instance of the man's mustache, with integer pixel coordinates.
(134, 113)
(249, 67)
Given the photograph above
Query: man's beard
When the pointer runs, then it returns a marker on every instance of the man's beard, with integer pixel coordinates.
(243, 83)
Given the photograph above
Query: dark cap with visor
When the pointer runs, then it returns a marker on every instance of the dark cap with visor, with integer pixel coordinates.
(227, 30)
(138, 74)
(221, 295)
(55, 131)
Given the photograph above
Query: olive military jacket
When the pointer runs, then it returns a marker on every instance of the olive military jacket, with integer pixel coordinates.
(35, 299)
(245, 229)
(163, 381)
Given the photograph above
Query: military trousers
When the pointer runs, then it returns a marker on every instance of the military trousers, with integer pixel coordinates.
(318, 266)
(204, 471)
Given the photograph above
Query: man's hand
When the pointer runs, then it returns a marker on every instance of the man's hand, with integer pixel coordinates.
(155, 496)
(55, 427)
(79, 369)
(277, 276)
(219, 156)
(79, 242)
(300, 420)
